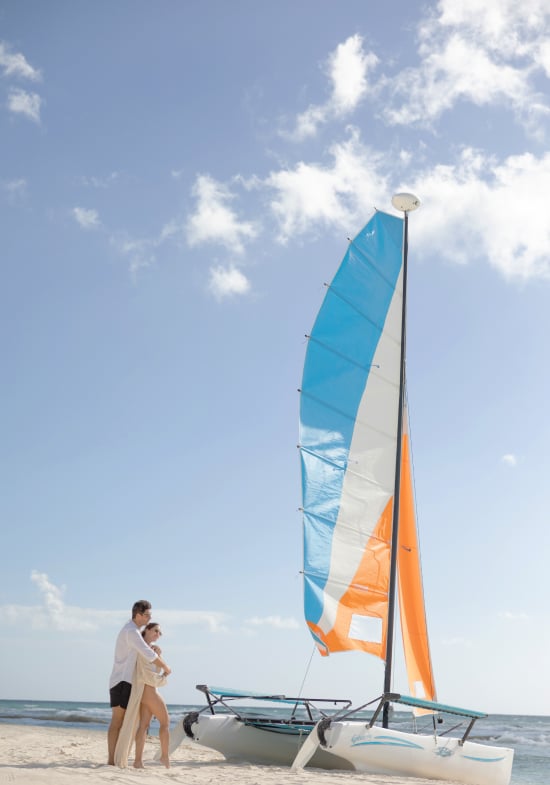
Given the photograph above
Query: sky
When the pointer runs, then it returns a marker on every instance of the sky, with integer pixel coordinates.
(178, 180)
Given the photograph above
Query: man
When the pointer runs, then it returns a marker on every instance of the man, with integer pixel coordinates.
(128, 645)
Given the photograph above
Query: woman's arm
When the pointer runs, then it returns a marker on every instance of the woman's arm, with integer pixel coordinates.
(163, 666)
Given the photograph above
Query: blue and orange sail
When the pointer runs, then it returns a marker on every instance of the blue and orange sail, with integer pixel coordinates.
(348, 442)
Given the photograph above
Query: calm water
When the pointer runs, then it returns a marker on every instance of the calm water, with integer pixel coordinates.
(529, 736)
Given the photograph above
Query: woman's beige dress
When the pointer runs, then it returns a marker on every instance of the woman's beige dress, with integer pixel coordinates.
(143, 674)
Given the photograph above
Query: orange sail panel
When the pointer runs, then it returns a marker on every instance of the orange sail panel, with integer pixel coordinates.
(411, 595)
(367, 595)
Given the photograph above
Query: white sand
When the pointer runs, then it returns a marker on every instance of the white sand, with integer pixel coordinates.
(55, 756)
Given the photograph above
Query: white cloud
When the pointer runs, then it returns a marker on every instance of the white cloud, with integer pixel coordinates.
(480, 55)
(513, 616)
(509, 460)
(278, 622)
(28, 104)
(86, 218)
(57, 614)
(465, 203)
(467, 206)
(457, 70)
(15, 190)
(457, 642)
(101, 182)
(140, 252)
(214, 221)
(170, 230)
(215, 621)
(488, 54)
(310, 196)
(227, 282)
(464, 199)
(348, 67)
(16, 65)
(502, 25)
(54, 613)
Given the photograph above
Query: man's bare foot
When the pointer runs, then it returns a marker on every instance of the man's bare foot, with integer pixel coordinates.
(138, 764)
(165, 762)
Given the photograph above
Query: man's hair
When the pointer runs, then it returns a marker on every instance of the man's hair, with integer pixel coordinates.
(140, 607)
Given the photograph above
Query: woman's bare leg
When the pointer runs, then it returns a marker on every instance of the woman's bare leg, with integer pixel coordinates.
(154, 703)
(144, 719)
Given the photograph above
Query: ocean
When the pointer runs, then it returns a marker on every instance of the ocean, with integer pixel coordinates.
(528, 735)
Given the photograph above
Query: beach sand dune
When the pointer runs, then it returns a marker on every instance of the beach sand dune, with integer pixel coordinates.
(55, 756)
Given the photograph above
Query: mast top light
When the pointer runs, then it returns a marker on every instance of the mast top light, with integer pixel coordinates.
(405, 202)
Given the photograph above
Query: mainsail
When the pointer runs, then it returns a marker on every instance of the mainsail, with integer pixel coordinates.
(349, 409)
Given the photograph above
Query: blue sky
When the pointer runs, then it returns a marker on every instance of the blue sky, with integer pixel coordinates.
(178, 181)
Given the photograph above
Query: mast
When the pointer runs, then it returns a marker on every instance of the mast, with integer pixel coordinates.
(406, 203)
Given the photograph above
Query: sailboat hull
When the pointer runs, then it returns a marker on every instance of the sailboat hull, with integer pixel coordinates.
(238, 741)
(384, 751)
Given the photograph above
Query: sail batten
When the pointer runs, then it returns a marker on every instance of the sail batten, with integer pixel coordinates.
(348, 468)
(337, 353)
(355, 307)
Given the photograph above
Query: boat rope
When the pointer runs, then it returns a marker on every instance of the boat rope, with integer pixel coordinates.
(307, 671)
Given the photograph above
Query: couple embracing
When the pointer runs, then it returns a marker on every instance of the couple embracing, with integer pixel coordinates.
(137, 672)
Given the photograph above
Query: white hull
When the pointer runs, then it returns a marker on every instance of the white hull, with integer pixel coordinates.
(353, 746)
(378, 750)
(237, 741)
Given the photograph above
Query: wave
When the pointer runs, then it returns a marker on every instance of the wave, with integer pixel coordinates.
(37, 718)
(515, 740)
(36, 714)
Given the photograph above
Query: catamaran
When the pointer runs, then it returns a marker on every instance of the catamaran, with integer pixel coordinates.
(361, 553)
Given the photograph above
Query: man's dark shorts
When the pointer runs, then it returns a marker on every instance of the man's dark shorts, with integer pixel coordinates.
(120, 694)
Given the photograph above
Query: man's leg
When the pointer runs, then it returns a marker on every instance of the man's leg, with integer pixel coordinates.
(114, 731)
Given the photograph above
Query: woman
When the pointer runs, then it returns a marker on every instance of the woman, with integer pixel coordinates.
(145, 702)
(152, 705)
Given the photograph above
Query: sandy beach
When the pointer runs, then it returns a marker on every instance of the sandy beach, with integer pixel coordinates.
(52, 756)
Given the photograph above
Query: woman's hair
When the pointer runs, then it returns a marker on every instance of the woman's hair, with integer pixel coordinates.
(150, 626)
